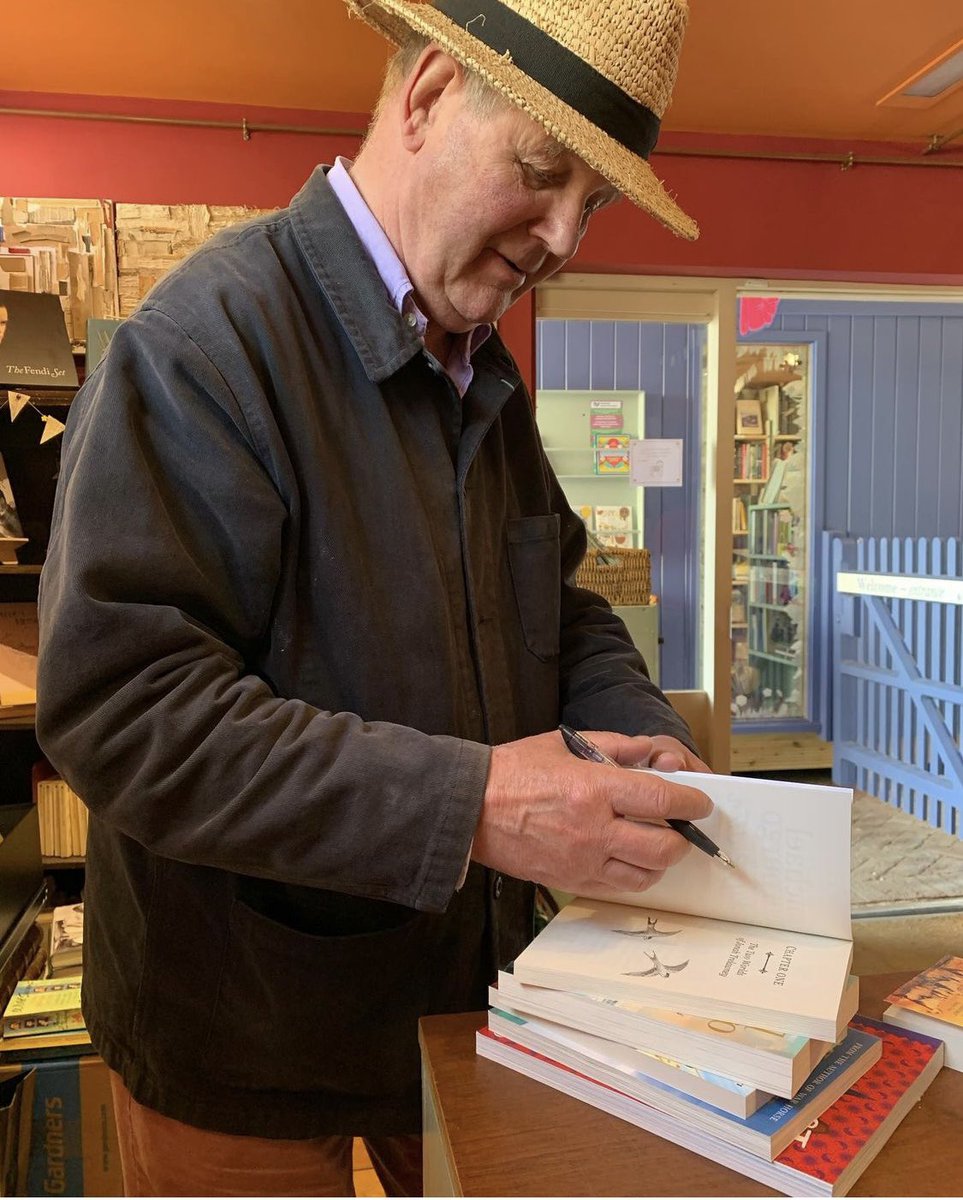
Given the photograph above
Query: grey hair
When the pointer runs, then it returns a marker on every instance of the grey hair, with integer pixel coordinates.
(483, 98)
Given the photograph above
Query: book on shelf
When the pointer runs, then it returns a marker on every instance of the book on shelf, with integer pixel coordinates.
(611, 453)
(38, 1006)
(67, 939)
(57, 1044)
(825, 1158)
(768, 943)
(613, 524)
(765, 1132)
(766, 1060)
(63, 818)
(35, 350)
(749, 422)
(932, 1003)
(27, 960)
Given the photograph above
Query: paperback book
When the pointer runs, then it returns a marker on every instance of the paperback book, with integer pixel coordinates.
(769, 1061)
(768, 943)
(637, 1069)
(825, 1158)
(932, 1003)
(43, 1005)
(764, 1132)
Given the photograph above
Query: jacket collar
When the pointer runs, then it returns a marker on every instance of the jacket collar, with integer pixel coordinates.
(350, 280)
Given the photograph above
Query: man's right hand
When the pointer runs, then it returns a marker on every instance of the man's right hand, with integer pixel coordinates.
(562, 821)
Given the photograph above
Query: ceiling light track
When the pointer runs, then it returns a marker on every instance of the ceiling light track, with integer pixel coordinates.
(247, 129)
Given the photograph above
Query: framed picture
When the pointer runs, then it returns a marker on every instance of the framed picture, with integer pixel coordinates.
(749, 419)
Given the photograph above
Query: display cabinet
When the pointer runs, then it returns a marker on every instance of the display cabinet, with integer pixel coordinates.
(770, 569)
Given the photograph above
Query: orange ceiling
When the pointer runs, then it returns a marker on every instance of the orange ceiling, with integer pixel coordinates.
(813, 68)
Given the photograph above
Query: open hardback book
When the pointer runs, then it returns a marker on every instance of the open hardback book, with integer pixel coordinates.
(768, 943)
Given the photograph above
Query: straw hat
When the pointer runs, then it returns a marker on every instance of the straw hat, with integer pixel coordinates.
(596, 74)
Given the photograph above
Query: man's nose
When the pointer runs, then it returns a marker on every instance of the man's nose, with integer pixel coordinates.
(561, 227)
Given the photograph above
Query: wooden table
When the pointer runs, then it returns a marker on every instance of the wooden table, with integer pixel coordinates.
(492, 1132)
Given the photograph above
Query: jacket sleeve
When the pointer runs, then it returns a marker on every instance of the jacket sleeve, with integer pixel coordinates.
(160, 578)
(605, 683)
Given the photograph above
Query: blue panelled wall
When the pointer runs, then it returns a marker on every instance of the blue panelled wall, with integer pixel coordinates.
(664, 362)
(889, 459)
(887, 455)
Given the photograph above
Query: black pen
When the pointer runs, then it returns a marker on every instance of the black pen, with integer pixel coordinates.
(583, 748)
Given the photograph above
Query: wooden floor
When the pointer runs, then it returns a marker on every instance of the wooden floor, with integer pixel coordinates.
(366, 1182)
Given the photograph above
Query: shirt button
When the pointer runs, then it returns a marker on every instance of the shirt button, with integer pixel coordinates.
(497, 885)
(411, 320)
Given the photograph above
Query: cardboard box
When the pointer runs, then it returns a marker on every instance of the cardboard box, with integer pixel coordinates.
(67, 1136)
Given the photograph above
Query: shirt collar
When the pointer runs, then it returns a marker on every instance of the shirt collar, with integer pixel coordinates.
(395, 277)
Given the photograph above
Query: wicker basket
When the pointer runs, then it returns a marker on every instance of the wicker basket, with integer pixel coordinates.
(620, 574)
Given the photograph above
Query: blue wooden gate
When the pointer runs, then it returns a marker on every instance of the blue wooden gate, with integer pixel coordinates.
(897, 673)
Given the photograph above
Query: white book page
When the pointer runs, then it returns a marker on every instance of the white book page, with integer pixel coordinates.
(790, 843)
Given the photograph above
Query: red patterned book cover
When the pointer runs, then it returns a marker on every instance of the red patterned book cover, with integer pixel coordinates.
(848, 1127)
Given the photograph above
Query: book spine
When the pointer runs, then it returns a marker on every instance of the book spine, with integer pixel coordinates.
(61, 1022)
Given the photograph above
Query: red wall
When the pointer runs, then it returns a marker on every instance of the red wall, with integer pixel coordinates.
(759, 219)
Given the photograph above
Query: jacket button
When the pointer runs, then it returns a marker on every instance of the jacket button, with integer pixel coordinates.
(497, 885)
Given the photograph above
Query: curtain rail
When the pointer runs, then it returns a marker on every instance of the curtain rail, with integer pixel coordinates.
(247, 128)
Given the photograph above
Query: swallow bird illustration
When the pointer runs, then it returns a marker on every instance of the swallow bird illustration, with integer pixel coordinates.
(659, 968)
(649, 931)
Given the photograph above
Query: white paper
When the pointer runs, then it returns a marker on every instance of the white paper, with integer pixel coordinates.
(656, 462)
(790, 843)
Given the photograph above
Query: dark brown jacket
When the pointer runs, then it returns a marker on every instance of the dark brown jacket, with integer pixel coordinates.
(294, 592)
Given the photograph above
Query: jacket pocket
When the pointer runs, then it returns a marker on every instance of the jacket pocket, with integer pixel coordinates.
(535, 563)
(300, 1012)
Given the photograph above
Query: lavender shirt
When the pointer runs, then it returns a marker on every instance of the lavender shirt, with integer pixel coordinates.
(395, 278)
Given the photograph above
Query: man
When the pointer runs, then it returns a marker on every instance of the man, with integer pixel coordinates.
(309, 627)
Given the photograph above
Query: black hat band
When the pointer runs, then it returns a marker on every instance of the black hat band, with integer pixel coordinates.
(559, 70)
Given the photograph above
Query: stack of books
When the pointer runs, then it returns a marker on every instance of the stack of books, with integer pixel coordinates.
(44, 1006)
(67, 940)
(717, 1009)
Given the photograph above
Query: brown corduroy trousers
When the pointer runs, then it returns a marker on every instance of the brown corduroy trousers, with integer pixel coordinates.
(163, 1157)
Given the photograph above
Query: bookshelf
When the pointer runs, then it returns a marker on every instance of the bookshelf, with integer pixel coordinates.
(32, 468)
(768, 624)
(586, 435)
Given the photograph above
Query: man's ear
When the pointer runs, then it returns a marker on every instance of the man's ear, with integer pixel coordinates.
(435, 81)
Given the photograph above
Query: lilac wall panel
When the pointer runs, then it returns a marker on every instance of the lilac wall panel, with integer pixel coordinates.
(906, 446)
(949, 512)
(550, 349)
(627, 338)
(578, 355)
(883, 428)
(835, 469)
(928, 412)
(602, 360)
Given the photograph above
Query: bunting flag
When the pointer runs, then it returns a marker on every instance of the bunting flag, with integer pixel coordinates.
(51, 426)
(17, 401)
